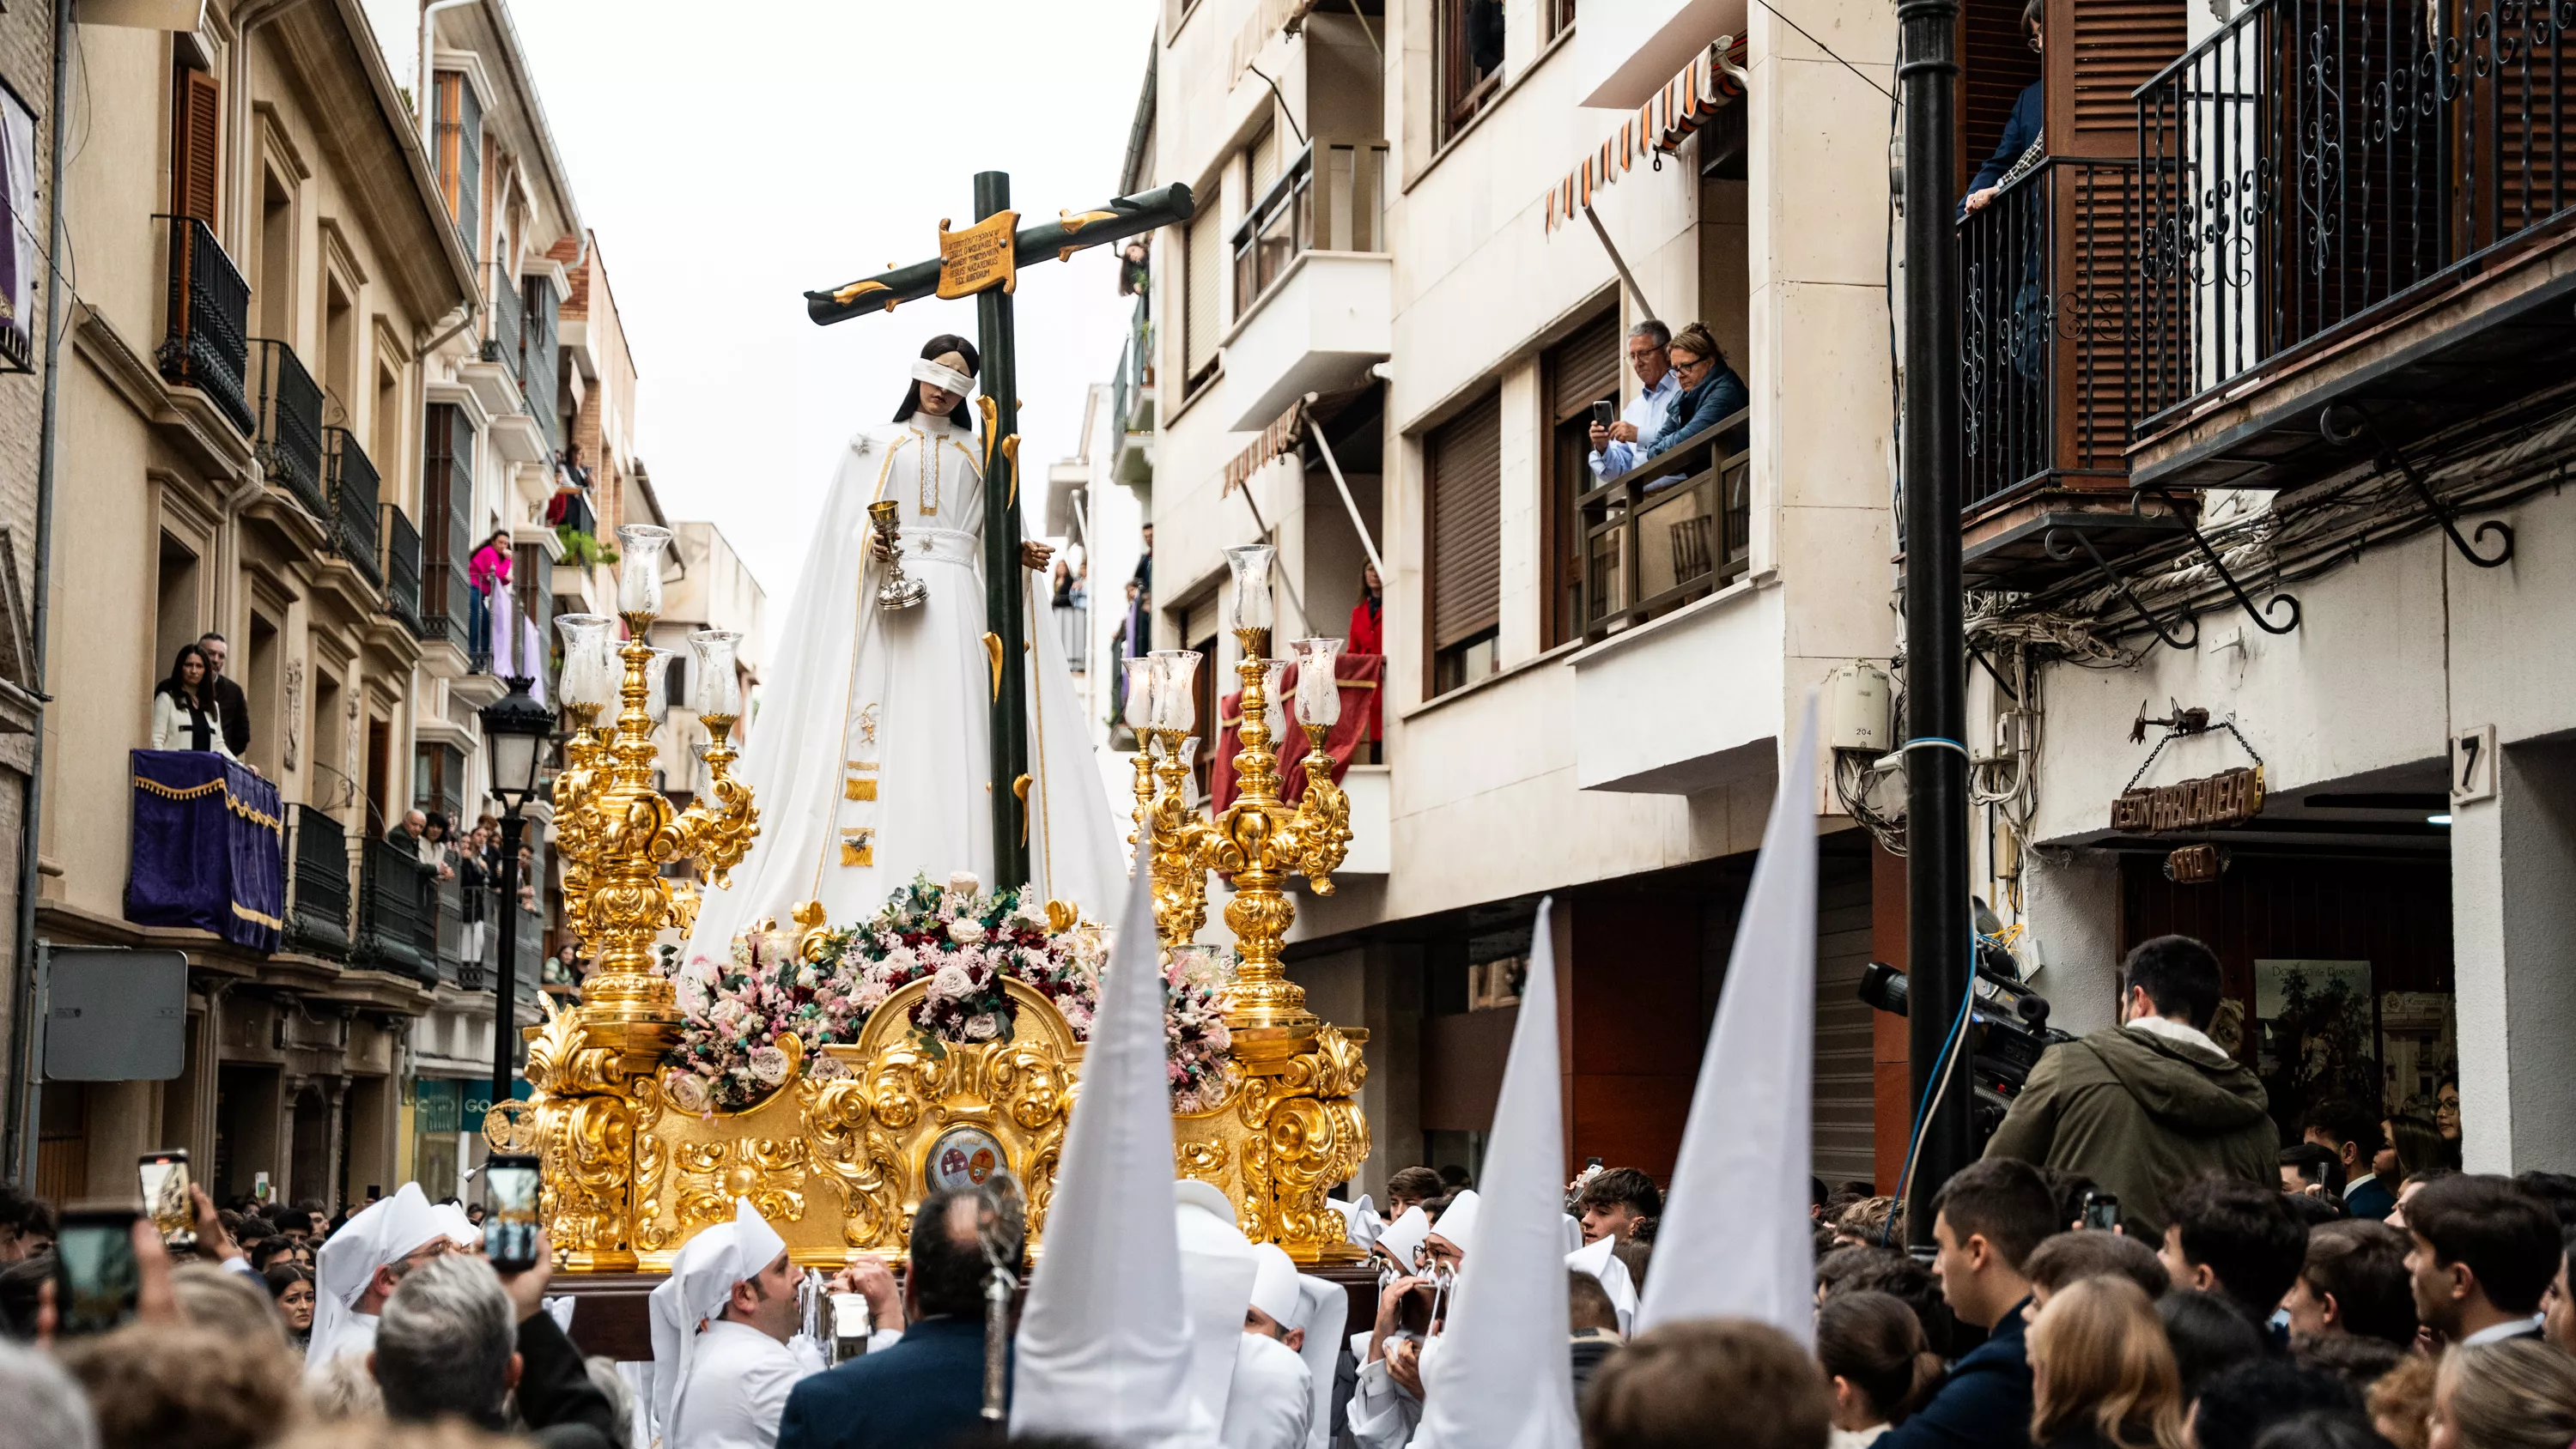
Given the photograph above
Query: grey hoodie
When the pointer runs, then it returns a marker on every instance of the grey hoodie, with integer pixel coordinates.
(2141, 1115)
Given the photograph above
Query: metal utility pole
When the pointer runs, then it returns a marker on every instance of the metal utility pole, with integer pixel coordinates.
(1938, 953)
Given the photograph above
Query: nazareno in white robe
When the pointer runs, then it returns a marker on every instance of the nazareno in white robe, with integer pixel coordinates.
(870, 759)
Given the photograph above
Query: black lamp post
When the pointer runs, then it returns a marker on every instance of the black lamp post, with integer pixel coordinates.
(515, 730)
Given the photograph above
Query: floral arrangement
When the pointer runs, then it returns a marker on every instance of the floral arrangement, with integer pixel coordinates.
(965, 944)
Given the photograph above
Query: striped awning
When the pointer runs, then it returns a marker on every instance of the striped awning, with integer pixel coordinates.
(1687, 102)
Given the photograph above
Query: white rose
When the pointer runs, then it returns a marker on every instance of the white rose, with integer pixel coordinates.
(769, 1064)
(982, 1026)
(965, 933)
(950, 983)
(689, 1092)
(964, 883)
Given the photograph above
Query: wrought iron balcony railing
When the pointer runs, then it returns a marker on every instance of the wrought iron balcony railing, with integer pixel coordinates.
(353, 505)
(2314, 165)
(402, 570)
(506, 345)
(317, 915)
(1330, 198)
(204, 343)
(397, 912)
(288, 443)
(2043, 332)
(1673, 529)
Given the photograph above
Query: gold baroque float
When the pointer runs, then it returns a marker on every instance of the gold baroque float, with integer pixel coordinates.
(837, 1159)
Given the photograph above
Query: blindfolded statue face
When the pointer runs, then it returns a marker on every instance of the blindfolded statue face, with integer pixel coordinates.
(938, 401)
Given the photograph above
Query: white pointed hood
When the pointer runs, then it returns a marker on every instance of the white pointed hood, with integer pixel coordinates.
(702, 1279)
(1597, 1259)
(1457, 1224)
(1402, 1239)
(1741, 1179)
(1218, 1269)
(1324, 1312)
(386, 1231)
(1502, 1379)
(1104, 1342)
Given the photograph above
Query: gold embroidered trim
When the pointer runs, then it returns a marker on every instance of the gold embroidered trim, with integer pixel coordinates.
(199, 792)
(858, 846)
(255, 918)
(858, 789)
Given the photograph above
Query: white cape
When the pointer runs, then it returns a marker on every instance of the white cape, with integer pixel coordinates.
(869, 758)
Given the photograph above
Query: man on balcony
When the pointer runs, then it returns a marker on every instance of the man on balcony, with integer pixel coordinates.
(2020, 149)
(231, 705)
(1614, 445)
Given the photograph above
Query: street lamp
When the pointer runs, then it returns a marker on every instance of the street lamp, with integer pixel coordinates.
(515, 730)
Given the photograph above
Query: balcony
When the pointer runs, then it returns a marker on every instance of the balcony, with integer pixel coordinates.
(397, 913)
(494, 376)
(402, 571)
(353, 516)
(1131, 402)
(317, 915)
(2350, 205)
(1672, 530)
(204, 346)
(288, 440)
(1314, 286)
(2044, 384)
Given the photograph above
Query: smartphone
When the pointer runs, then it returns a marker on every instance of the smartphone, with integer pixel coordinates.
(2101, 1211)
(96, 1278)
(165, 1196)
(1592, 1162)
(1604, 414)
(510, 1189)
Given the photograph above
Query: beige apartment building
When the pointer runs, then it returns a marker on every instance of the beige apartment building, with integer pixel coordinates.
(265, 264)
(1403, 258)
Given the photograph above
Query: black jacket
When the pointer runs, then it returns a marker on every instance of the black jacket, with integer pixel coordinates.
(235, 707)
(923, 1393)
(2020, 129)
(1984, 1405)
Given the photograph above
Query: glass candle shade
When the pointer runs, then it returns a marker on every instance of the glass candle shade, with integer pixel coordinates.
(1143, 679)
(1251, 564)
(1176, 690)
(657, 683)
(1319, 694)
(1274, 713)
(587, 679)
(717, 689)
(640, 548)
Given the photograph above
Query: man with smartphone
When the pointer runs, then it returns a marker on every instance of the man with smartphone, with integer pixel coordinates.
(1614, 444)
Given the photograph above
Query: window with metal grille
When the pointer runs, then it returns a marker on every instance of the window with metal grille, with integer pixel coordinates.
(1463, 460)
(459, 154)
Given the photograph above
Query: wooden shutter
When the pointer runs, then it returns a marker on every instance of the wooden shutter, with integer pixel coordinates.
(1464, 458)
(1201, 268)
(1996, 64)
(1260, 164)
(196, 133)
(1584, 368)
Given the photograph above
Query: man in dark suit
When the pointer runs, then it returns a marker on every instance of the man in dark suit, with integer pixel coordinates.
(1986, 1220)
(2484, 1252)
(230, 703)
(927, 1391)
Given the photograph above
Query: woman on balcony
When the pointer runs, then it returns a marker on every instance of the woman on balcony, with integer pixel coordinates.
(1711, 391)
(489, 570)
(184, 713)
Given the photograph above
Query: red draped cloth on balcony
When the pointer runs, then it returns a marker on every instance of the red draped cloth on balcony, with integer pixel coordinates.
(1358, 676)
(209, 848)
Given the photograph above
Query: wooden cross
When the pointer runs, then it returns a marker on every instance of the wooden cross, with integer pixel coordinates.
(983, 262)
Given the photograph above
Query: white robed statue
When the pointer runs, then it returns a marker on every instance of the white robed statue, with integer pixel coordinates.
(870, 759)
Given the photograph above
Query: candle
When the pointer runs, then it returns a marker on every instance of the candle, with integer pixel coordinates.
(639, 574)
(718, 688)
(1251, 564)
(1319, 694)
(1143, 678)
(1176, 690)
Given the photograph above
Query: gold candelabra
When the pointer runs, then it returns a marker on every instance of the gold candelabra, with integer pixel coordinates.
(615, 830)
(1259, 840)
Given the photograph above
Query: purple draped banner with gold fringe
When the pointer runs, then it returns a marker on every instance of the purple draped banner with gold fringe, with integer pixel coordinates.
(209, 848)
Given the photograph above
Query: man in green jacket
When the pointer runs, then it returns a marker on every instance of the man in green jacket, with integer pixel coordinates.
(2143, 1107)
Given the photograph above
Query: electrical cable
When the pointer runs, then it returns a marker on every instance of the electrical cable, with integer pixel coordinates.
(1944, 1067)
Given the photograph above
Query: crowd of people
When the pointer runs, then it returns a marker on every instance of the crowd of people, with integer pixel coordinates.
(2241, 1304)
(471, 862)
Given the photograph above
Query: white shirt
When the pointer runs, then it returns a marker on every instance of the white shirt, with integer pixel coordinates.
(737, 1391)
(1646, 412)
(1273, 1397)
(1383, 1413)
(2510, 1328)
(1855, 1438)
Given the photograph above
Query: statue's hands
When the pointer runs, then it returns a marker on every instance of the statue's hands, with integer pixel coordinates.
(1035, 555)
(879, 549)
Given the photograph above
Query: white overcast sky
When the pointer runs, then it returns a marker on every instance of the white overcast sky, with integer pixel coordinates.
(730, 157)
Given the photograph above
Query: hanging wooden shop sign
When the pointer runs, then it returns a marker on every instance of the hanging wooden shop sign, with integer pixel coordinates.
(2231, 797)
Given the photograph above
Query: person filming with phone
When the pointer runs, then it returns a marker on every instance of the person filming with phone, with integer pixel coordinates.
(1614, 444)
(2143, 1107)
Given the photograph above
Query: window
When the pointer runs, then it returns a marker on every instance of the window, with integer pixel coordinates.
(1559, 17)
(1202, 268)
(1463, 460)
(196, 156)
(1580, 371)
(1468, 37)
(446, 545)
(438, 780)
(459, 155)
